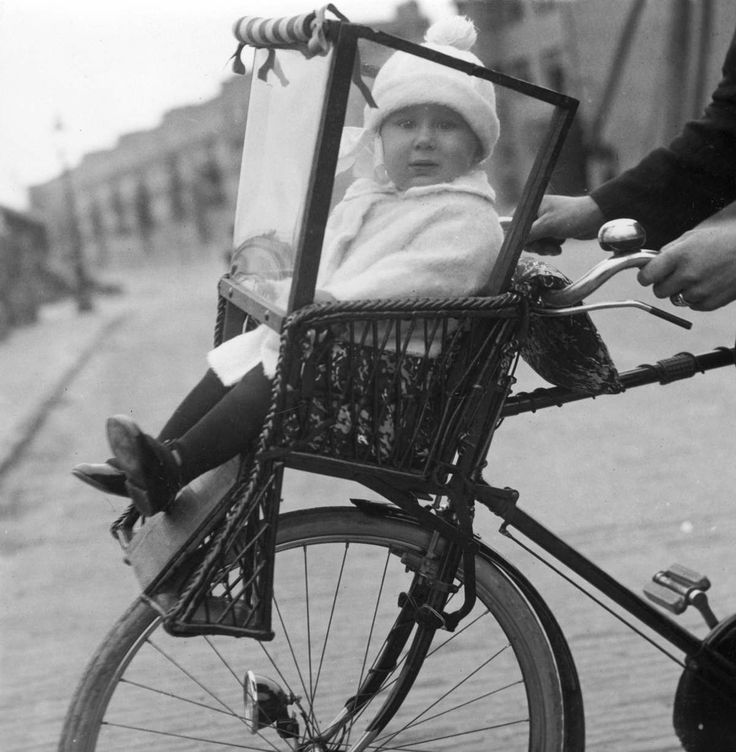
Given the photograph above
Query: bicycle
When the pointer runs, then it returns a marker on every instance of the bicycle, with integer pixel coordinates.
(395, 626)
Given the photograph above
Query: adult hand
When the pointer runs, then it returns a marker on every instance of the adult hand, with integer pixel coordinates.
(700, 265)
(563, 217)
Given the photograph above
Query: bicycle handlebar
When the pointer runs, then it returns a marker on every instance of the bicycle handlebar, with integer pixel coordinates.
(625, 238)
(595, 277)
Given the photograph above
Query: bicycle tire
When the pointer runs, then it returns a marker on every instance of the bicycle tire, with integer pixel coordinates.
(493, 683)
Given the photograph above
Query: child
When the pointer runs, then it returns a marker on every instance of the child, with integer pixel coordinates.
(419, 222)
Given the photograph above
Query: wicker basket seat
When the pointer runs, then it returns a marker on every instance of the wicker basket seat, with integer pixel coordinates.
(406, 391)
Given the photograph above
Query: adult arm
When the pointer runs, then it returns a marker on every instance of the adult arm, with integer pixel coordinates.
(671, 190)
(676, 187)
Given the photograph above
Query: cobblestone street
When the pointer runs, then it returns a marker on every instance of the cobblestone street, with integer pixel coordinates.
(636, 481)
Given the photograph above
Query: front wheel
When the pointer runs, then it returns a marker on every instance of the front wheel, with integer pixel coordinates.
(492, 684)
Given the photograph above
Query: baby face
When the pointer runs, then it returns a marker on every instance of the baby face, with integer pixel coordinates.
(427, 144)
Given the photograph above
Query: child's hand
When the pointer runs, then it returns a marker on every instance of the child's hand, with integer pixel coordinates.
(322, 296)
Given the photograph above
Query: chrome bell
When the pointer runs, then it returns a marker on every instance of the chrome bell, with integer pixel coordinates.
(622, 236)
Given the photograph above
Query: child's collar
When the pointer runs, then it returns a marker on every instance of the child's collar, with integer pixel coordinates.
(475, 183)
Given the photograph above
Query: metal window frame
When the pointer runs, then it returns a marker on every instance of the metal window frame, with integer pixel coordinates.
(345, 38)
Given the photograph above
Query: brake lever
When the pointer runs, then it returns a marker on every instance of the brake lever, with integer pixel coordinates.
(577, 309)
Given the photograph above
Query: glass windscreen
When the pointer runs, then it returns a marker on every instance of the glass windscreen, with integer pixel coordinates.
(527, 127)
(281, 136)
(510, 130)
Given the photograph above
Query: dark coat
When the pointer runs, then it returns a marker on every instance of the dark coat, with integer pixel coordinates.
(675, 187)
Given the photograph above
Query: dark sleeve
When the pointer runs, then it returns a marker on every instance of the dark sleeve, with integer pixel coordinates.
(675, 187)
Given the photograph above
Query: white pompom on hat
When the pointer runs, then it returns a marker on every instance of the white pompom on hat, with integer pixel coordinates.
(406, 80)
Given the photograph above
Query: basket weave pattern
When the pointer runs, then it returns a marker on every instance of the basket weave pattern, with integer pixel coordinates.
(384, 385)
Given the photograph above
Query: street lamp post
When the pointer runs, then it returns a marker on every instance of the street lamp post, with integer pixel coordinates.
(82, 284)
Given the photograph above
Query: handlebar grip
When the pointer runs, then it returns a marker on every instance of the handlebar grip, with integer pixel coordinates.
(274, 32)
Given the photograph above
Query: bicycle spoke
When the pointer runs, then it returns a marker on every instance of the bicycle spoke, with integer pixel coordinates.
(224, 662)
(277, 668)
(379, 595)
(373, 619)
(416, 722)
(465, 704)
(388, 684)
(179, 698)
(292, 651)
(308, 626)
(310, 694)
(382, 741)
(228, 711)
(479, 730)
(333, 605)
(193, 678)
(455, 635)
(185, 737)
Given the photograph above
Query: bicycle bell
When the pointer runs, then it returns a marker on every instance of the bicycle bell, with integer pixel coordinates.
(622, 236)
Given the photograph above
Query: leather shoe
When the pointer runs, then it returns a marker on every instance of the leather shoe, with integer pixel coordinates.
(152, 473)
(102, 476)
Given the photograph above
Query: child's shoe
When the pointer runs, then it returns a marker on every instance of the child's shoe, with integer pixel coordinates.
(153, 475)
(104, 476)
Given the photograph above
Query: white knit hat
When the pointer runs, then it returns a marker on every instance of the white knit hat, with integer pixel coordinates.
(406, 80)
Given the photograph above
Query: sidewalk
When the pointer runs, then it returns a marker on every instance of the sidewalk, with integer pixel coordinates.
(38, 361)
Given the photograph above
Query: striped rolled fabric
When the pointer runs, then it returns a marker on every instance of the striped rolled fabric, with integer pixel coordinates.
(274, 32)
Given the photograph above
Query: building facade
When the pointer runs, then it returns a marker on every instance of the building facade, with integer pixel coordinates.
(640, 68)
(164, 193)
(24, 281)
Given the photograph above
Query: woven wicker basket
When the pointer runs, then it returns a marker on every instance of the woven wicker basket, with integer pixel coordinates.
(408, 392)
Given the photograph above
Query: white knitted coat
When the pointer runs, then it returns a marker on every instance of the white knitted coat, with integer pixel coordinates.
(434, 241)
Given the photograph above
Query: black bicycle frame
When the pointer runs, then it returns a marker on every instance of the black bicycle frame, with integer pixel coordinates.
(680, 366)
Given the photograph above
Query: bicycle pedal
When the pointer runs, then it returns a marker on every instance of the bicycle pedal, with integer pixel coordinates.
(678, 587)
(666, 598)
(683, 577)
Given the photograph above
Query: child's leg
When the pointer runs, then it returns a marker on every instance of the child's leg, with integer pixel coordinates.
(205, 395)
(156, 471)
(108, 476)
(228, 428)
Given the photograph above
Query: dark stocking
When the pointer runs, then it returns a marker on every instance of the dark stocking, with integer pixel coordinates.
(208, 392)
(222, 428)
(205, 395)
